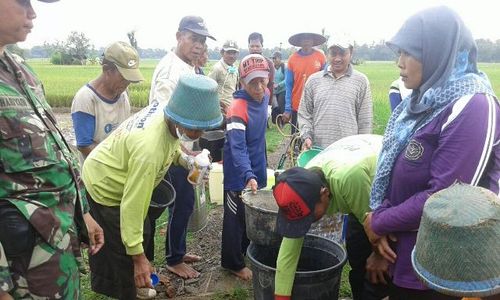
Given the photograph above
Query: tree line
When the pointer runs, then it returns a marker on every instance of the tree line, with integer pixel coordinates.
(77, 49)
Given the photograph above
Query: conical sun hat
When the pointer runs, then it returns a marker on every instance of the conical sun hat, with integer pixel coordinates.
(195, 103)
(296, 39)
(458, 243)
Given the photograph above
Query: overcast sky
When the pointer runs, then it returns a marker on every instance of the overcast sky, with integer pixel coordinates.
(156, 21)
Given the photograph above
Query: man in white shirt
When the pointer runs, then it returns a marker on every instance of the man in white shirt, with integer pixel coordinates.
(191, 37)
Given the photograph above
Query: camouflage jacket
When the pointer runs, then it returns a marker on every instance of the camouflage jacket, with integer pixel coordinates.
(38, 172)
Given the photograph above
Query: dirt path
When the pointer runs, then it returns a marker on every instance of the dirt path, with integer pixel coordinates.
(214, 282)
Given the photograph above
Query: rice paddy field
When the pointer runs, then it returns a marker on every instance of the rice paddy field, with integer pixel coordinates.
(62, 82)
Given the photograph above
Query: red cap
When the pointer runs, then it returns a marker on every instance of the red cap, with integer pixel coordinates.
(296, 192)
(253, 66)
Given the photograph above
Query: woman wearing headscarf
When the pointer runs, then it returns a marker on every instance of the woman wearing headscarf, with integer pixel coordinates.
(447, 130)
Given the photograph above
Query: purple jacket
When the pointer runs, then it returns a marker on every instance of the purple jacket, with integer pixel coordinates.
(461, 144)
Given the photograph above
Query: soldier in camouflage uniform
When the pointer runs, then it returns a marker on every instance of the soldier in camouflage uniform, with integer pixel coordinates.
(42, 197)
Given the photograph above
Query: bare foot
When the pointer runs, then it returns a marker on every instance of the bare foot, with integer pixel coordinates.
(191, 258)
(245, 274)
(183, 271)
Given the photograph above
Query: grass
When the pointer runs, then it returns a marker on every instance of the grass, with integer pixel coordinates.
(238, 293)
(345, 287)
(381, 75)
(273, 138)
(85, 283)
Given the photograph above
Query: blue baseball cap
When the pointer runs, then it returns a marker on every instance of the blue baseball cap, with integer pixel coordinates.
(195, 24)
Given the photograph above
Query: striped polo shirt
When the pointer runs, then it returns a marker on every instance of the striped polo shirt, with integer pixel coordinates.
(332, 108)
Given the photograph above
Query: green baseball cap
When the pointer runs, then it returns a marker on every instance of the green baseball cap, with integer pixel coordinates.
(126, 60)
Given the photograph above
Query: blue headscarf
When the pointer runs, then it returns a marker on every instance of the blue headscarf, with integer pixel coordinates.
(438, 38)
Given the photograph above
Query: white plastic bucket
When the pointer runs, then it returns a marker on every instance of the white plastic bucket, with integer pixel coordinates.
(215, 184)
(270, 179)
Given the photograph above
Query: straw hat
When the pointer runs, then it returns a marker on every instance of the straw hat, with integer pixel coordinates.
(195, 103)
(458, 243)
(296, 39)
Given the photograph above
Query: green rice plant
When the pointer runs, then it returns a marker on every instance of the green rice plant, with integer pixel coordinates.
(493, 72)
(380, 75)
(62, 82)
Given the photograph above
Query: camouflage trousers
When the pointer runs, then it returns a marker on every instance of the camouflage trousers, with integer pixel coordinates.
(42, 271)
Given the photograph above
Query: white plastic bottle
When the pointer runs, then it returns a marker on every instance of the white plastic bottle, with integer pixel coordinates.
(200, 168)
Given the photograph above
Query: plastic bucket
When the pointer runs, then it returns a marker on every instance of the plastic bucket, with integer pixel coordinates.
(318, 272)
(215, 184)
(270, 179)
(306, 156)
(198, 219)
(163, 196)
(214, 142)
(261, 212)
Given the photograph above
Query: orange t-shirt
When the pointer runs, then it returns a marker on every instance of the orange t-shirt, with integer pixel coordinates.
(303, 66)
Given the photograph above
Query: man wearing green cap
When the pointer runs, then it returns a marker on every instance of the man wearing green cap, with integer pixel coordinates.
(122, 171)
(225, 72)
(42, 198)
(103, 104)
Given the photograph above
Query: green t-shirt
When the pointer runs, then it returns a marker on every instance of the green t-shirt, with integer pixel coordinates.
(124, 169)
(349, 166)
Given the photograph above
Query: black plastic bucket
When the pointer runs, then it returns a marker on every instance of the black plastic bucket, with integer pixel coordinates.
(318, 272)
(214, 142)
(163, 196)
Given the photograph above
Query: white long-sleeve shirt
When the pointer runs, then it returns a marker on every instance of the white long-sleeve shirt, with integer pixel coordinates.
(165, 77)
